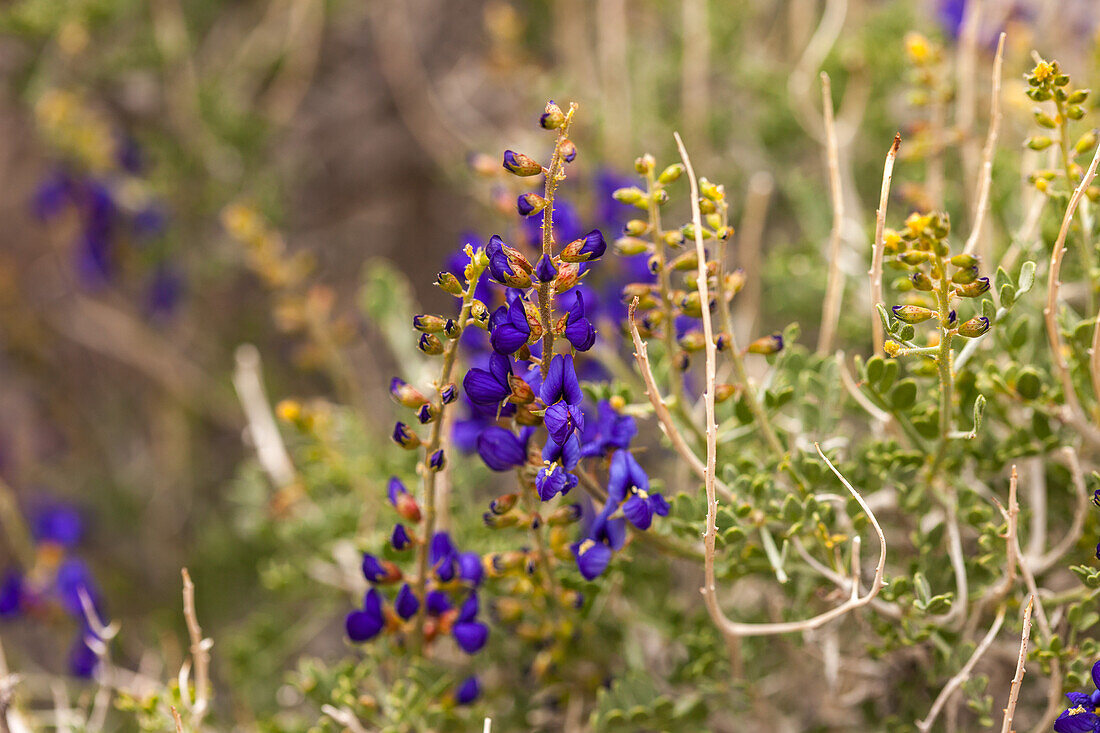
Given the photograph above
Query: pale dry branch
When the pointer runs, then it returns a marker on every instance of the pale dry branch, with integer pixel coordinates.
(660, 408)
(1080, 512)
(262, 428)
(834, 289)
(877, 255)
(1018, 678)
(177, 720)
(981, 209)
(1073, 406)
(200, 655)
(963, 674)
(344, 717)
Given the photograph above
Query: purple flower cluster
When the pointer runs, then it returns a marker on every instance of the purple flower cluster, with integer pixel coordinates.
(55, 583)
(108, 228)
(1083, 713)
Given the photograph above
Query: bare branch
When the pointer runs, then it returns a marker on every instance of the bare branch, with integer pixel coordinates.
(982, 207)
(200, 654)
(876, 257)
(834, 289)
(1018, 678)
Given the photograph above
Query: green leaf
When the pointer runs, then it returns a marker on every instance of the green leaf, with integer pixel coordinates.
(1027, 278)
(904, 395)
(889, 375)
(1007, 296)
(1001, 279)
(873, 372)
(1028, 383)
(989, 310)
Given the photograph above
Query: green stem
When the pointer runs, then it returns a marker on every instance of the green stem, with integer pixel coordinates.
(435, 442)
(943, 363)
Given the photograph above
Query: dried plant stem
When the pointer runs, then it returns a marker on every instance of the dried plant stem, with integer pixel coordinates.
(200, 654)
(554, 174)
(834, 289)
(271, 452)
(727, 627)
(176, 719)
(880, 244)
(1094, 366)
(963, 674)
(981, 208)
(344, 717)
(660, 408)
(1054, 336)
(1018, 678)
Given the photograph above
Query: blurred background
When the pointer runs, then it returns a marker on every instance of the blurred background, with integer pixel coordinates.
(140, 138)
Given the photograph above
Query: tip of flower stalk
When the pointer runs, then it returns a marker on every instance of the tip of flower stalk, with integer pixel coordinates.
(552, 118)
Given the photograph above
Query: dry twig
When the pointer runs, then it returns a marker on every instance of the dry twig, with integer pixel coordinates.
(876, 257)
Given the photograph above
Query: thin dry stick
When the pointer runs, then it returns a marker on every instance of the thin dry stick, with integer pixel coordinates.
(344, 717)
(641, 355)
(177, 719)
(725, 625)
(262, 428)
(876, 257)
(1018, 678)
(981, 209)
(1048, 559)
(200, 653)
(834, 290)
(963, 674)
(1054, 283)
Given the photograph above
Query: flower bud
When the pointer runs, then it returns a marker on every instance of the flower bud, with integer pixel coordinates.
(427, 413)
(965, 275)
(681, 361)
(627, 246)
(545, 270)
(407, 507)
(437, 460)
(405, 437)
(553, 117)
(400, 539)
(451, 329)
(480, 313)
(723, 392)
(767, 344)
(448, 394)
(564, 515)
(568, 151)
(912, 313)
(921, 281)
(671, 174)
(964, 260)
(429, 324)
(1043, 119)
(501, 521)
(529, 204)
(687, 261)
(430, 344)
(915, 257)
(1075, 112)
(503, 504)
(653, 264)
(405, 394)
(1078, 96)
(723, 232)
(448, 283)
(1085, 143)
(1038, 142)
(714, 192)
(952, 319)
(585, 249)
(974, 327)
(635, 228)
(735, 281)
(644, 164)
(520, 164)
(674, 238)
(629, 195)
(569, 274)
(974, 289)
(692, 341)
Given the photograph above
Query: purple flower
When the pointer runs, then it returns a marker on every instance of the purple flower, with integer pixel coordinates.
(73, 579)
(400, 538)
(624, 475)
(368, 623)
(508, 328)
(467, 691)
(507, 265)
(82, 659)
(592, 558)
(489, 386)
(640, 508)
(469, 568)
(545, 270)
(406, 603)
(469, 633)
(560, 382)
(585, 249)
(437, 603)
(562, 419)
(610, 430)
(553, 480)
(500, 449)
(11, 594)
(579, 330)
(567, 454)
(57, 524)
